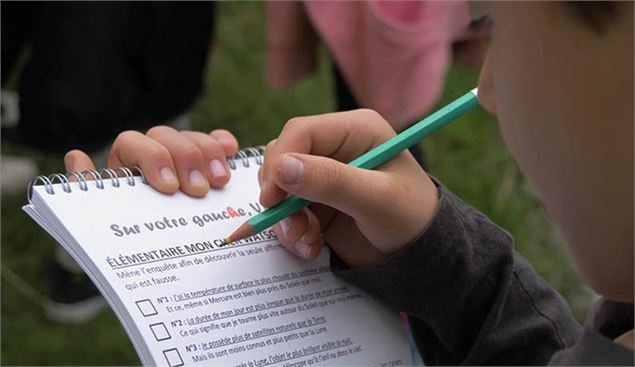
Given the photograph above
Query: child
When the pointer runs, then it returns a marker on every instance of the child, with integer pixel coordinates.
(560, 78)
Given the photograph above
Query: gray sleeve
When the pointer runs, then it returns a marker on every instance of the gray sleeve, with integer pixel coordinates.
(470, 297)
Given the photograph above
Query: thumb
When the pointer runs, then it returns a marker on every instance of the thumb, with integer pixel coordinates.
(354, 191)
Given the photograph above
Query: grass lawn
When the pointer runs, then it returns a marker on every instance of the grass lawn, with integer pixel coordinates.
(469, 157)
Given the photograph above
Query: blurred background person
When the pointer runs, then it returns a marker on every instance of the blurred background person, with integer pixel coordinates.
(90, 70)
(389, 56)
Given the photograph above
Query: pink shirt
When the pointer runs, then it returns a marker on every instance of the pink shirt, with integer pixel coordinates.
(392, 54)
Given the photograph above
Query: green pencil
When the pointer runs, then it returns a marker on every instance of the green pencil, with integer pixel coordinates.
(368, 160)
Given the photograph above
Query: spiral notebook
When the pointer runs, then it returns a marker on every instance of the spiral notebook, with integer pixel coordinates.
(184, 298)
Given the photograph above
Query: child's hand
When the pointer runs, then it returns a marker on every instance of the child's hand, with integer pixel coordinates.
(363, 214)
(189, 160)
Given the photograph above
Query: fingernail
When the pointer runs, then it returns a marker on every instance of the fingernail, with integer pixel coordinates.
(197, 178)
(263, 186)
(303, 249)
(284, 224)
(168, 176)
(291, 170)
(217, 168)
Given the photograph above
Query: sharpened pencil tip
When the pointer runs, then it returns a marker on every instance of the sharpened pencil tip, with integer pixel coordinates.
(243, 231)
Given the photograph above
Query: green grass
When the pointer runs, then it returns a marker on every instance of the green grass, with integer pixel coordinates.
(468, 156)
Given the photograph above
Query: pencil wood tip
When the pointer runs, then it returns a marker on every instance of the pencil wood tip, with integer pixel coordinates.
(244, 231)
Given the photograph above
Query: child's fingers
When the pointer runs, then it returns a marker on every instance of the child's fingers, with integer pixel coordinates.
(324, 214)
(260, 176)
(187, 158)
(77, 161)
(227, 141)
(298, 233)
(133, 148)
(371, 198)
(345, 238)
(342, 136)
(292, 228)
(214, 157)
(269, 194)
(265, 164)
(301, 237)
(309, 245)
(357, 192)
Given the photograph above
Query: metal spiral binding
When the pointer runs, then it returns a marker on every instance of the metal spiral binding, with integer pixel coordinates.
(243, 155)
(115, 175)
(98, 176)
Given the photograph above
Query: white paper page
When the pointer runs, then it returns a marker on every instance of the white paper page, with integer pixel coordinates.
(249, 304)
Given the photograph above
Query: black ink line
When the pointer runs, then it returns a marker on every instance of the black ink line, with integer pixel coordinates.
(195, 253)
(263, 336)
(265, 309)
(326, 270)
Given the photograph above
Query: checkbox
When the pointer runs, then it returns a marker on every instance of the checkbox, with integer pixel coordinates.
(160, 331)
(146, 307)
(173, 357)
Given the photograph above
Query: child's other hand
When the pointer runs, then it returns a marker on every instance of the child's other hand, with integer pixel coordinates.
(364, 215)
(170, 159)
